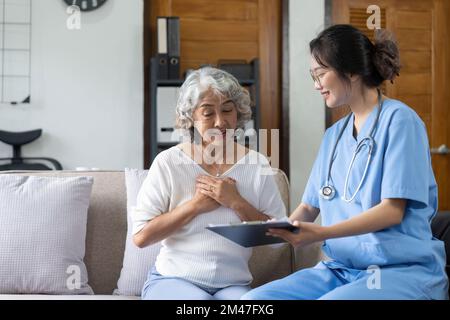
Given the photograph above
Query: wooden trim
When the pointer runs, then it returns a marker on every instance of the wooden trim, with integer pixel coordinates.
(340, 14)
(284, 135)
(440, 91)
(339, 11)
(329, 21)
(269, 14)
(270, 68)
(147, 53)
(328, 13)
(441, 96)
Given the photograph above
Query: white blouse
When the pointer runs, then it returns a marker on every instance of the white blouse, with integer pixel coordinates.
(193, 252)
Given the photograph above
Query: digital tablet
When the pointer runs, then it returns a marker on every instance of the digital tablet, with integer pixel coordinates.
(252, 234)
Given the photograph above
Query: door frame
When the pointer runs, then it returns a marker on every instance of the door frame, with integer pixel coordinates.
(328, 23)
(284, 130)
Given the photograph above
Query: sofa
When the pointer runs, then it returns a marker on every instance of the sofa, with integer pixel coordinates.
(106, 233)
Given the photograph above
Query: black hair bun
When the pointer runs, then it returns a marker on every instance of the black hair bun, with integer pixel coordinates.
(386, 55)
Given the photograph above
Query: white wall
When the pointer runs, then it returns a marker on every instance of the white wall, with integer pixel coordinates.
(86, 87)
(307, 110)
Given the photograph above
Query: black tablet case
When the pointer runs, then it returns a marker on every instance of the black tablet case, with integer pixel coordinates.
(252, 234)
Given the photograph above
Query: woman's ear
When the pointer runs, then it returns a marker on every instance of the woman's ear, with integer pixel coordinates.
(194, 115)
(354, 77)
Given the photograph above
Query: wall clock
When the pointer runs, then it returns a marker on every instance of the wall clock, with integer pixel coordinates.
(86, 5)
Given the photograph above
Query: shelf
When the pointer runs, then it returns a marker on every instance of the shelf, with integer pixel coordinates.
(169, 82)
(246, 82)
(167, 144)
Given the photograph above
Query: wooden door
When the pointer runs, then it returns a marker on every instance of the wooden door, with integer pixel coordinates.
(211, 30)
(422, 29)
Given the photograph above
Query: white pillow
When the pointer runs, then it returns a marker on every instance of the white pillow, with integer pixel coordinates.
(42, 234)
(136, 261)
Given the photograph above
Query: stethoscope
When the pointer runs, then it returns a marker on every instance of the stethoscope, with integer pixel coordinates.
(328, 191)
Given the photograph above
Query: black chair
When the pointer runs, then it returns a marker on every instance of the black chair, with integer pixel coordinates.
(441, 230)
(17, 162)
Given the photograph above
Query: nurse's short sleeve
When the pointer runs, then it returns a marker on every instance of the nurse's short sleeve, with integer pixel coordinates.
(406, 161)
(270, 201)
(153, 197)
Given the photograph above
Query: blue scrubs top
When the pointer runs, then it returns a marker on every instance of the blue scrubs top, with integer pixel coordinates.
(400, 168)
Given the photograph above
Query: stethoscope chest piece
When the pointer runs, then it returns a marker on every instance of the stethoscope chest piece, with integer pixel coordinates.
(327, 192)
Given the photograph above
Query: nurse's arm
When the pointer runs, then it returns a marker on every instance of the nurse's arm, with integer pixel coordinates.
(305, 213)
(384, 215)
(388, 213)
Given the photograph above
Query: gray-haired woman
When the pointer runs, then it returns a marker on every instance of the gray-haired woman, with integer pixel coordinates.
(209, 179)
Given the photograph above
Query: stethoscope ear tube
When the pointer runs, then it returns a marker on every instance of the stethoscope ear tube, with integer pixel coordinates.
(358, 148)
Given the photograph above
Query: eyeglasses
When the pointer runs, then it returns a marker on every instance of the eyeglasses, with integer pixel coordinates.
(316, 78)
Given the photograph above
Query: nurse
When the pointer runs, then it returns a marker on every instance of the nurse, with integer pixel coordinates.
(372, 183)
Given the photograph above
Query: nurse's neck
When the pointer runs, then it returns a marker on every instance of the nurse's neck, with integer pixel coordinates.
(362, 104)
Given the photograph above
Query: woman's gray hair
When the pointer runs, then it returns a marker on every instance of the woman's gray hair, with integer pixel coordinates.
(220, 82)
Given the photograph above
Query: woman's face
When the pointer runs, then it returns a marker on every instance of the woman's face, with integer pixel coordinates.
(213, 116)
(332, 88)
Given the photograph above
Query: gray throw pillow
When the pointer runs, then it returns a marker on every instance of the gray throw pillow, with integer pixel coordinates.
(136, 262)
(42, 234)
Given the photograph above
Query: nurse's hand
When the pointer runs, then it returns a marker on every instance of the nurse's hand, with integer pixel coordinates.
(308, 233)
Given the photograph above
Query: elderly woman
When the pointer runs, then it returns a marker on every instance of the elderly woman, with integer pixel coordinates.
(208, 180)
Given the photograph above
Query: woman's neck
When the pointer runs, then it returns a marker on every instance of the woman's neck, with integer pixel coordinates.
(222, 154)
(362, 105)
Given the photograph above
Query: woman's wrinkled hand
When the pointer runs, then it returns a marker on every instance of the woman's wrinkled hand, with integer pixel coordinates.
(203, 203)
(222, 190)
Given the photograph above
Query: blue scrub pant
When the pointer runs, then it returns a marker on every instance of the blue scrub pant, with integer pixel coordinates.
(332, 282)
(159, 287)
